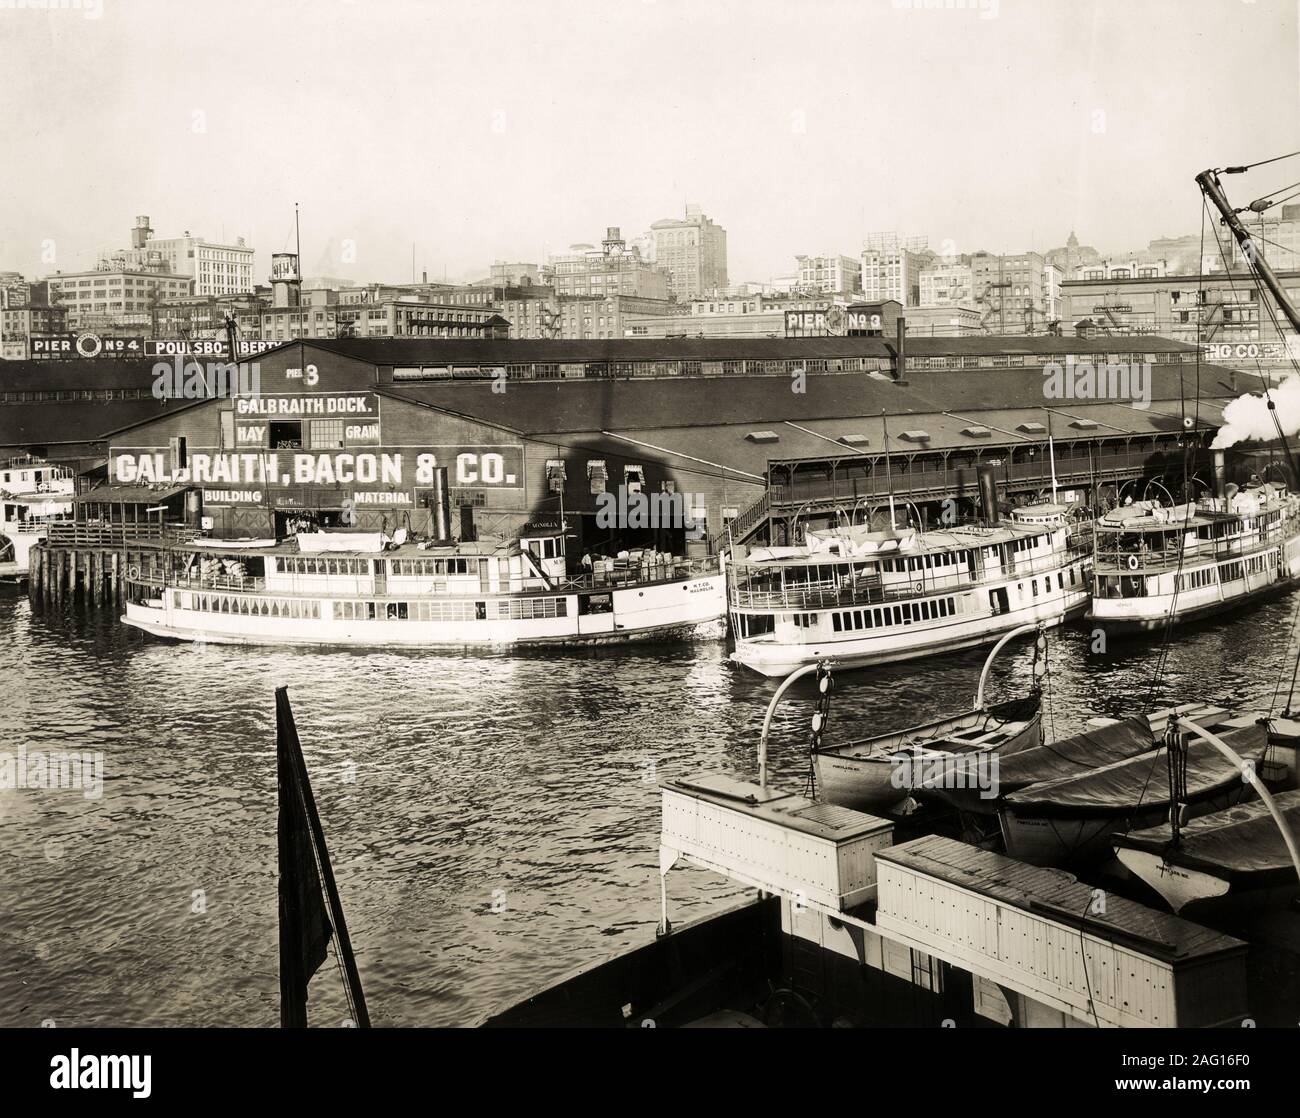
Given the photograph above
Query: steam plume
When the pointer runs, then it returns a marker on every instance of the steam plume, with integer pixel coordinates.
(1248, 419)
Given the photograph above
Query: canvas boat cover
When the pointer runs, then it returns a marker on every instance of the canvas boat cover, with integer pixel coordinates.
(1241, 842)
(1101, 745)
(1141, 781)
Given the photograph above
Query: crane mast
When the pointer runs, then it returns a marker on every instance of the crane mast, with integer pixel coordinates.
(1210, 186)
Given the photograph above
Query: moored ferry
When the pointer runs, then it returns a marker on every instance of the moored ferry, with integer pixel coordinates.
(32, 495)
(1157, 564)
(855, 597)
(364, 589)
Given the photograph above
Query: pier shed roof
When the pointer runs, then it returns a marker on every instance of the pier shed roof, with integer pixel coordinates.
(541, 407)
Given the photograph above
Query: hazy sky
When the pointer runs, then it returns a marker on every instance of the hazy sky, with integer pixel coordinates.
(498, 129)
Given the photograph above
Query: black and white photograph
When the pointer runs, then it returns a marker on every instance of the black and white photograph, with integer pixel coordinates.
(707, 514)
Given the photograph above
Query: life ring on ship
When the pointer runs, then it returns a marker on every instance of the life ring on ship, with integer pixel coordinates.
(1134, 563)
(920, 588)
(133, 573)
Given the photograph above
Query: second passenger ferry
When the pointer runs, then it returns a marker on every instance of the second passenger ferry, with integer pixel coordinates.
(365, 589)
(1155, 564)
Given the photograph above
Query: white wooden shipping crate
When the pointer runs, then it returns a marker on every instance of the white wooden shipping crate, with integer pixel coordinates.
(817, 854)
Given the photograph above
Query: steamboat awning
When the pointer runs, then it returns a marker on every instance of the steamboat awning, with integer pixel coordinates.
(129, 494)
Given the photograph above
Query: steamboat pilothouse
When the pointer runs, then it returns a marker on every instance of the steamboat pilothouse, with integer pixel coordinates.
(856, 597)
(1156, 565)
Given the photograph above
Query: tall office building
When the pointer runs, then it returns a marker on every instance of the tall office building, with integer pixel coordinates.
(216, 269)
(693, 252)
(892, 266)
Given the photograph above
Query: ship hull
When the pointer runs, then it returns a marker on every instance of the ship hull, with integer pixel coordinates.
(778, 660)
(1131, 624)
(1058, 840)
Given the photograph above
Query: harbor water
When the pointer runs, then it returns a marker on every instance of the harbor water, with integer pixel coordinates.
(492, 819)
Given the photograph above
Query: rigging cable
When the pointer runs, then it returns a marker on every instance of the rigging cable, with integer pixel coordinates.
(1162, 657)
(1264, 297)
(1258, 205)
(1261, 163)
(1277, 326)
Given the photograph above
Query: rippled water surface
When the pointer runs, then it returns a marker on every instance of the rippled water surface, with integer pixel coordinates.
(492, 820)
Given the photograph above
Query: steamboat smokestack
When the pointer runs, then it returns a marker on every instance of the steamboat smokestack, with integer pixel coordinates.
(989, 495)
(440, 505)
(1220, 474)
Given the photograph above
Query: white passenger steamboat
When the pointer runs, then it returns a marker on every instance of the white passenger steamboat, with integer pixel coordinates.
(856, 597)
(355, 588)
(1155, 564)
(32, 495)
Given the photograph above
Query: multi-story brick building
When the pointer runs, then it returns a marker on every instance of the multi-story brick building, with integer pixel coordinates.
(830, 274)
(1015, 293)
(15, 291)
(18, 324)
(1120, 268)
(946, 283)
(106, 299)
(321, 314)
(540, 311)
(503, 274)
(610, 270)
(202, 316)
(1221, 310)
(1277, 233)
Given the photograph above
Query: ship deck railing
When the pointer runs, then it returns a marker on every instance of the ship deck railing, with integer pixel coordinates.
(597, 580)
(835, 593)
(27, 462)
(643, 574)
(1156, 560)
(251, 583)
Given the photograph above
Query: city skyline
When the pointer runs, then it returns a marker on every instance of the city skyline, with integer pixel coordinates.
(517, 159)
